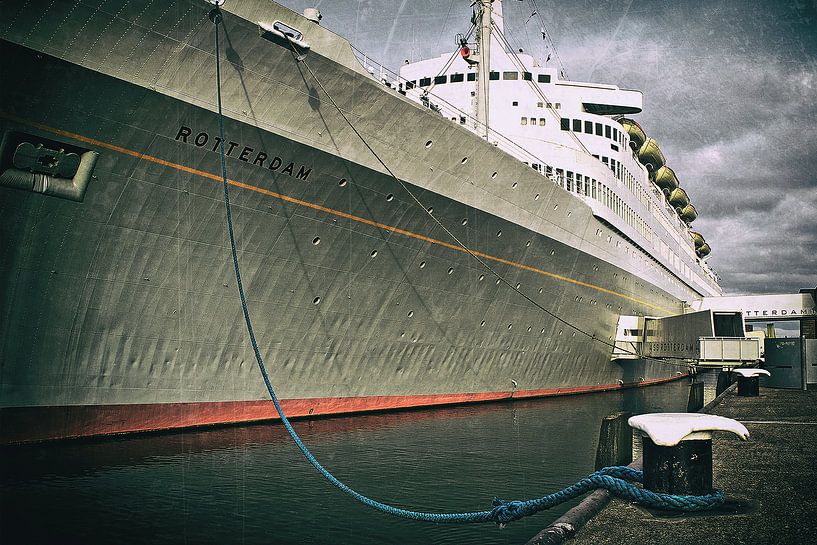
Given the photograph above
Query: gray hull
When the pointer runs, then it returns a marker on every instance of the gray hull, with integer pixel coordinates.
(120, 312)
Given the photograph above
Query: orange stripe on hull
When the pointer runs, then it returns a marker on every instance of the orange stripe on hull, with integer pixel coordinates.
(33, 424)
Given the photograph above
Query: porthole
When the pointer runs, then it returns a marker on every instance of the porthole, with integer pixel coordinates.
(498, 281)
(510, 326)
(518, 286)
(482, 323)
(553, 252)
(569, 214)
(541, 290)
(342, 182)
(536, 197)
(527, 244)
(493, 175)
(499, 233)
(374, 253)
(543, 331)
(481, 277)
(429, 143)
(422, 264)
(451, 270)
(465, 221)
(316, 241)
(389, 197)
(410, 313)
(513, 186)
(316, 301)
(464, 160)
(555, 206)
(430, 209)
(529, 329)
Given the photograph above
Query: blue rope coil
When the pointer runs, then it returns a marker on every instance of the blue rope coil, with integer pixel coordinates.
(616, 479)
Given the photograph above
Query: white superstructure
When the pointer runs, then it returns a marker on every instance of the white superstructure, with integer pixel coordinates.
(570, 133)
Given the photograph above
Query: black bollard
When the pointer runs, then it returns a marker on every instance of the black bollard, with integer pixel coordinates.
(615, 441)
(748, 386)
(724, 382)
(696, 397)
(685, 468)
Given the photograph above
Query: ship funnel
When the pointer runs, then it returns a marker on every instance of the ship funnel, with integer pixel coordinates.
(313, 14)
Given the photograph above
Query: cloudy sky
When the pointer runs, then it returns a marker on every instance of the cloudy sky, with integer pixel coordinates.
(730, 93)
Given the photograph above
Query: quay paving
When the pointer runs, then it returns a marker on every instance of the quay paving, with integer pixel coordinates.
(772, 477)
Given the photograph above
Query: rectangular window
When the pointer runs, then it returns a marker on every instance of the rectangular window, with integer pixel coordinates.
(539, 104)
(569, 186)
(493, 75)
(472, 76)
(533, 121)
(613, 147)
(577, 125)
(558, 105)
(607, 131)
(596, 156)
(605, 160)
(541, 121)
(598, 129)
(565, 124)
(560, 177)
(457, 78)
(549, 171)
(543, 78)
(527, 76)
(535, 167)
(510, 75)
(515, 103)
(411, 84)
(595, 189)
(588, 127)
(615, 134)
(440, 79)
(524, 120)
(425, 82)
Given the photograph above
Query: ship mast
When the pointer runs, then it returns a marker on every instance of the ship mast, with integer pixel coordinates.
(484, 66)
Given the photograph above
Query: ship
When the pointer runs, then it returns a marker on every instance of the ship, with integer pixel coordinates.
(470, 229)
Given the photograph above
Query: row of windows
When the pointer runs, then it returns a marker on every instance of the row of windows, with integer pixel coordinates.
(598, 129)
(533, 121)
(472, 76)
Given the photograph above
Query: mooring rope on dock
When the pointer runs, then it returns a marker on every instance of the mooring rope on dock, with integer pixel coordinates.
(616, 479)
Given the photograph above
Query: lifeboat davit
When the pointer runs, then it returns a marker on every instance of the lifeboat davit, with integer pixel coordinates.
(650, 155)
(688, 213)
(704, 250)
(697, 239)
(635, 132)
(665, 178)
(678, 198)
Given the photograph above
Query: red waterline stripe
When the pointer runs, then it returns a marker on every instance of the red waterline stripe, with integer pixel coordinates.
(34, 424)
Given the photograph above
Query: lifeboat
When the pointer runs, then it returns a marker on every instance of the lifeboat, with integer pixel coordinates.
(665, 178)
(688, 213)
(650, 155)
(678, 198)
(697, 239)
(704, 250)
(634, 130)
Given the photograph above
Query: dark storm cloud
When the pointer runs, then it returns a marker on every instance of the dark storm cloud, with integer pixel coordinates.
(730, 93)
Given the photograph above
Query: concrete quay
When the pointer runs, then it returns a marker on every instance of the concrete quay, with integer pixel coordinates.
(770, 482)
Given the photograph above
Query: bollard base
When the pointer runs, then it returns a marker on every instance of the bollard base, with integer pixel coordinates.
(685, 468)
(748, 386)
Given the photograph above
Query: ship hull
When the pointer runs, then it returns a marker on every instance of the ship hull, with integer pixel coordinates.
(121, 312)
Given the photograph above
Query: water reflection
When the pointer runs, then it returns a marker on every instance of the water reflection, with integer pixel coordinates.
(251, 485)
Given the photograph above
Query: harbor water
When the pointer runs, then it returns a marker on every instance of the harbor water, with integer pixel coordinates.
(251, 485)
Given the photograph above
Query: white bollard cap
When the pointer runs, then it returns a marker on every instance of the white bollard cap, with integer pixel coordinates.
(669, 429)
(748, 373)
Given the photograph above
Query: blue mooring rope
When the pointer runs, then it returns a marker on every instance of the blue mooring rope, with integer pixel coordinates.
(616, 479)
